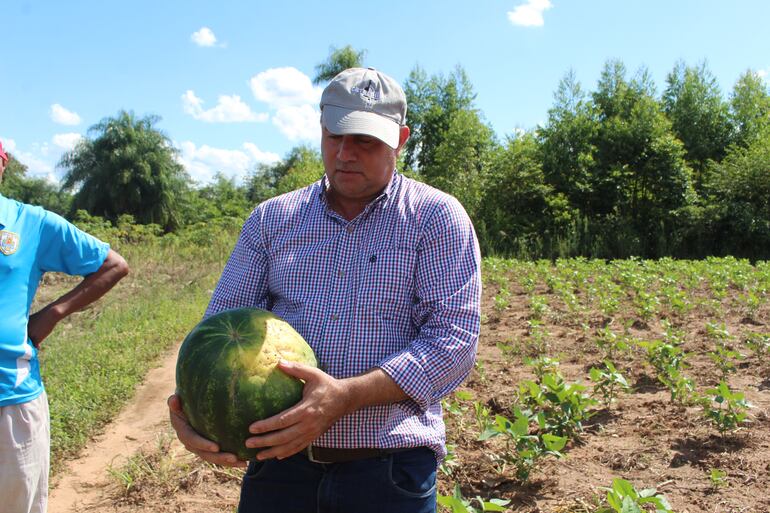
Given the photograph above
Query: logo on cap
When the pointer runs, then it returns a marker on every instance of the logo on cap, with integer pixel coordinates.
(369, 93)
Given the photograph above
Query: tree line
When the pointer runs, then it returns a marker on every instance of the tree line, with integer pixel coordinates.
(616, 172)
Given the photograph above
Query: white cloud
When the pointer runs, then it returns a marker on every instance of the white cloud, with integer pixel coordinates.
(63, 116)
(203, 162)
(37, 161)
(529, 14)
(294, 98)
(299, 122)
(204, 37)
(280, 87)
(763, 73)
(229, 109)
(66, 141)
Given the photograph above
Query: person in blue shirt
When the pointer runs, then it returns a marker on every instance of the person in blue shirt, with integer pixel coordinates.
(34, 241)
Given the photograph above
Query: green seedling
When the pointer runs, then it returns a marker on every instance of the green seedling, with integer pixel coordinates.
(759, 344)
(622, 497)
(502, 300)
(559, 407)
(523, 450)
(730, 410)
(450, 462)
(607, 382)
(718, 478)
(542, 365)
(539, 306)
(669, 360)
(724, 358)
(456, 503)
(610, 343)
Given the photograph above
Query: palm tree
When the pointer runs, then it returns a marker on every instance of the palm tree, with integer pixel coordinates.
(338, 60)
(126, 166)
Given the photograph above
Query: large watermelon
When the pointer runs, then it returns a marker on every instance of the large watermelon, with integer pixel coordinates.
(227, 377)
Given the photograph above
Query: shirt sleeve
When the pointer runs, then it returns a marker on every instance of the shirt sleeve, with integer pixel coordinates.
(67, 249)
(447, 311)
(243, 282)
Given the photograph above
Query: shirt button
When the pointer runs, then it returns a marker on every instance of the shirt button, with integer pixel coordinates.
(349, 228)
(335, 317)
(341, 274)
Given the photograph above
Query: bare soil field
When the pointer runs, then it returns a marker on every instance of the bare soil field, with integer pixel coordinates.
(643, 436)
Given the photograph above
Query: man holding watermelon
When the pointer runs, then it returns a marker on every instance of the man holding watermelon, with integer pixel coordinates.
(380, 275)
(34, 241)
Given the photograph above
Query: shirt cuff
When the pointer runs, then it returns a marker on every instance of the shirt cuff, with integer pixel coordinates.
(409, 374)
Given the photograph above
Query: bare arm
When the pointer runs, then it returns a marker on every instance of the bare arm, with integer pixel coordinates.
(93, 286)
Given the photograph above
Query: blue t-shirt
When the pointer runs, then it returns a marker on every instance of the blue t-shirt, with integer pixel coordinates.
(32, 242)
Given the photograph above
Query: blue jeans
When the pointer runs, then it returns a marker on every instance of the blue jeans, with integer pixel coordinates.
(401, 482)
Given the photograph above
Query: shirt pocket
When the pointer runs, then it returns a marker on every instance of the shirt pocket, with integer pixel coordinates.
(386, 289)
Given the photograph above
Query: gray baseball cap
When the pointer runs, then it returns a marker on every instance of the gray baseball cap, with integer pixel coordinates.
(364, 101)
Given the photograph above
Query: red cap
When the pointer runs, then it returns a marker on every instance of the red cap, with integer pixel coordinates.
(2, 153)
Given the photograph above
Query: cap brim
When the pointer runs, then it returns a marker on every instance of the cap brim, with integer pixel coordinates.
(341, 121)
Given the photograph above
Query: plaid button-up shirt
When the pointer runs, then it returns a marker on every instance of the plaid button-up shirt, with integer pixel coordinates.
(398, 288)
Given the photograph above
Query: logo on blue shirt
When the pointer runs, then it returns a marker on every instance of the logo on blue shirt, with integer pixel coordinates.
(9, 242)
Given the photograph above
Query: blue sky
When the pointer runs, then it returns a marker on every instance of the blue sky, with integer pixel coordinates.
(231, 80)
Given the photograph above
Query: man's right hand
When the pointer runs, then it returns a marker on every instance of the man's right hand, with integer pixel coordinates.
(193, 442)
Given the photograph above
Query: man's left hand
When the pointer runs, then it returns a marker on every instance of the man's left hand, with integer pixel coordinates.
(324, 400)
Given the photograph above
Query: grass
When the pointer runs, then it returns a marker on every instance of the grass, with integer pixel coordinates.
(158, 467)
(165, 471)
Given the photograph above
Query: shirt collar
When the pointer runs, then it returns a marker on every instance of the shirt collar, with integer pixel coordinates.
(390, 189)
(384, 197)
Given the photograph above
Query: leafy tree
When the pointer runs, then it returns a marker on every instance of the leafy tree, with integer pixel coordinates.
(617, 145)
(450, 144)
(615, 95)
(302, 166)
(741, 199)
(700, 117)
(14, 174)
(643, 178)
(520, 208)
(35, 191)
(615, 159)
(221, 198)
(433, 102)
(420, 95)
(339, 59)
(567, 144)
(749, 107)
(126, 166)
(460, 160)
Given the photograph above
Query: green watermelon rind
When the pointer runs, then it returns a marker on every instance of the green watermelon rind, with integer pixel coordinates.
(227, 378)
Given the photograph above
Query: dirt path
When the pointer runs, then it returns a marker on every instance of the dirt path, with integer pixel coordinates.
(84, 480)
